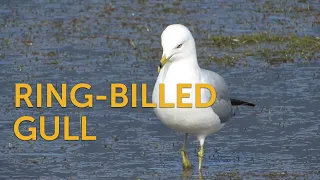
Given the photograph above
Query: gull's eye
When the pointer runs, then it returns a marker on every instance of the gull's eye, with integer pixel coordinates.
(179, 46)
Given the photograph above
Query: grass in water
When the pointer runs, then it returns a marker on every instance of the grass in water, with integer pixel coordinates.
(274, 49)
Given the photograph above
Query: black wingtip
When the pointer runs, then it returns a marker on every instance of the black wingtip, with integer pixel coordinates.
(236, 102)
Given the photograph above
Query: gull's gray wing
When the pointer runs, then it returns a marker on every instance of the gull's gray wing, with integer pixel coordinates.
(222, 106)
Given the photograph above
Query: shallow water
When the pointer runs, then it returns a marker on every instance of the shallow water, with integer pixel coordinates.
(101, 42)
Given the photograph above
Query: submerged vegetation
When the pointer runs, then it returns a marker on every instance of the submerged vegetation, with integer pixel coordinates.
(109, 27)
(274, 49)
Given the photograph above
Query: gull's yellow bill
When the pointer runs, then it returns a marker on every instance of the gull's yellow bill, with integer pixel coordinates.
(163, 61)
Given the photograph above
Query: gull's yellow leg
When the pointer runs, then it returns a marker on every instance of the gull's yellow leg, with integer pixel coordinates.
(201, 177)
(201, 154)
(185, 159)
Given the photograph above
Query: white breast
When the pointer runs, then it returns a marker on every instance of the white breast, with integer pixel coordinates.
(187, 120)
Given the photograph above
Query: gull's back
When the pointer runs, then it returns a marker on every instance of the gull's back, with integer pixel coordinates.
(222, 106)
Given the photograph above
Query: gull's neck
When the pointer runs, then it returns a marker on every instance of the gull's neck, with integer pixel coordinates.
(184, 70)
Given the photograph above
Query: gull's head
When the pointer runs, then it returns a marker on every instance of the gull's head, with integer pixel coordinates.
(177, 44)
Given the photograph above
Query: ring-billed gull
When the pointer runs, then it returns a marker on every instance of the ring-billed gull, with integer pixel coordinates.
(178, 65)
